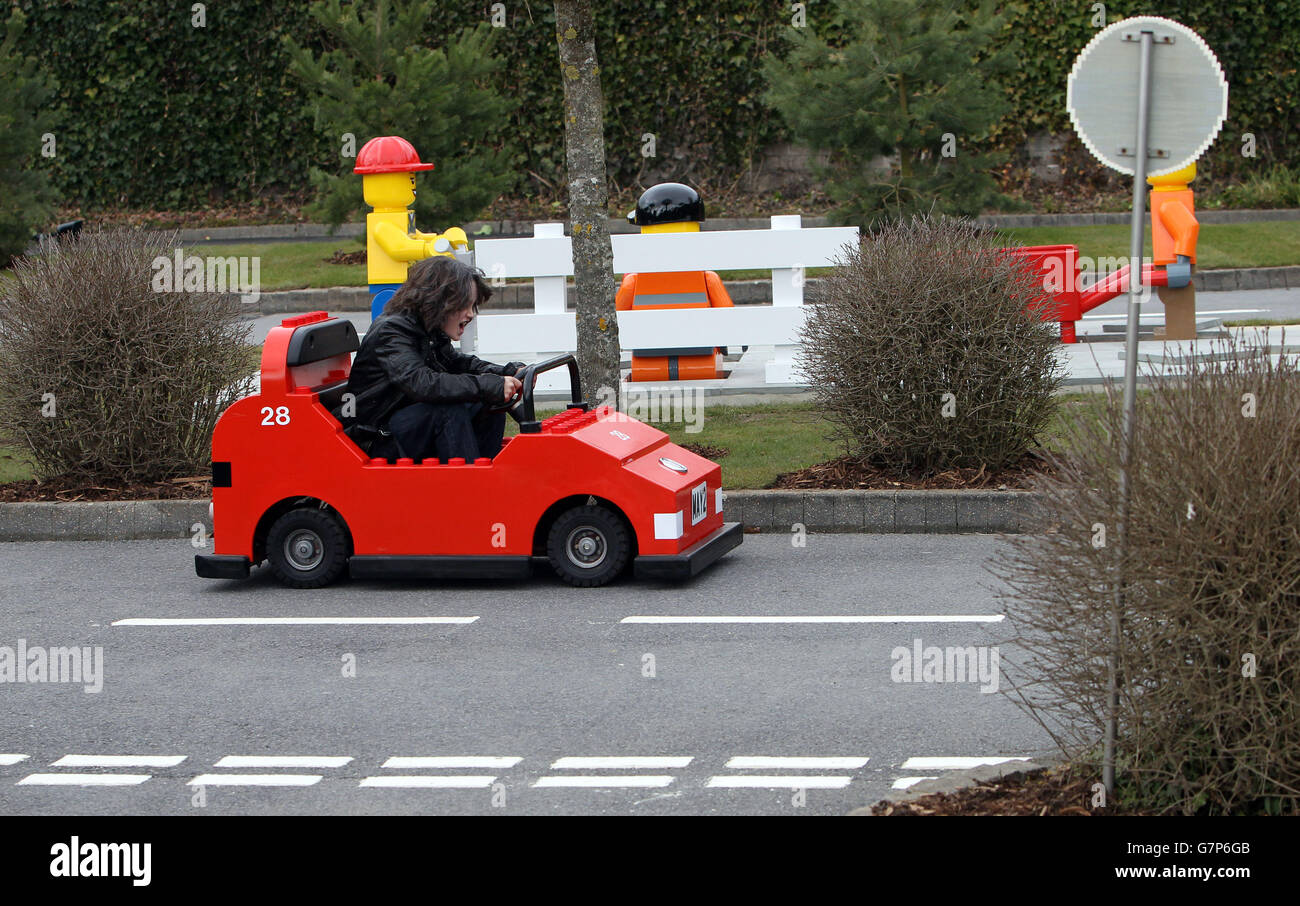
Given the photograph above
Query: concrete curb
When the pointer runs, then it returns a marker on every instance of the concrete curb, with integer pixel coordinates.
(118, 520)
(885, 512)
(952, 781)
(519, 296)
(509, 229)
(868, 512)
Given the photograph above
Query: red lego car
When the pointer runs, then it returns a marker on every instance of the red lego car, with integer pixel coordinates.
(587, 490)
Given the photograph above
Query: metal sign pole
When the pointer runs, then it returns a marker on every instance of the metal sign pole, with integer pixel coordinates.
(1136, 236)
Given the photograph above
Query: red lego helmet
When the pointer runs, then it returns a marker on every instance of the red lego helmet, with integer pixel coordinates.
(388, 154)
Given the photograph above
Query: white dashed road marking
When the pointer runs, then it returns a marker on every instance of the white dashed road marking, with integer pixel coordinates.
(293, 621)
(955, 764)
(118, 761)
(83, 780)
(431, 781)
(779, 781)
(496, 762)
(798, 763)
(607, 781)
(781, 771)
(903, 783)
(617, 762)
(283, 761)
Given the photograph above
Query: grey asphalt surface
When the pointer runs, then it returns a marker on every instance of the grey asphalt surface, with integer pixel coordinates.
(1225, 305)
(545, 672)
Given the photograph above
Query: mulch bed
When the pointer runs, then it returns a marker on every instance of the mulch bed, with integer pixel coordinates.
(1057, 791)
(342, 256)
(708, 451)
(854, 473)
(65, 491)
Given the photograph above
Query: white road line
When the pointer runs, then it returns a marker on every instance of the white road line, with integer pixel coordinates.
(83, 780)
(616, 762)
(283, 761)
(590, 781)
(1119, 315)
(432, 781)
(850, 618)
(293, 621)
(415, 762)
(118, 761)
(255, 780)
(903, 783)
(796, 763)
(11, 759)
(779, 781)
(955, 763)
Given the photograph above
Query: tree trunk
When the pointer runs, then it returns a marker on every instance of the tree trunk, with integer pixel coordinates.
(584, 149)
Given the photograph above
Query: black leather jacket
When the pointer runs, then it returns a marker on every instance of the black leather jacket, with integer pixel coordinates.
(399, 364)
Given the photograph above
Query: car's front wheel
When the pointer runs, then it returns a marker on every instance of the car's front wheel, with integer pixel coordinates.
(307, 547)
(588, 546)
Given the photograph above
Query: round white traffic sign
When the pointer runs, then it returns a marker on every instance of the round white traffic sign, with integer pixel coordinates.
(1189, 95)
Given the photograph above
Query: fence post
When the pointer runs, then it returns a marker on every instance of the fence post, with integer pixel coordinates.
(549, 292)
(787, 291)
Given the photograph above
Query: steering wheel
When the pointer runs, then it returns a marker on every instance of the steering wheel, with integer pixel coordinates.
(514, 402)
(520, 406)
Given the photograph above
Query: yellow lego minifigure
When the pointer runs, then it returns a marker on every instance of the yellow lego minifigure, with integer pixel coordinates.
(388, 165)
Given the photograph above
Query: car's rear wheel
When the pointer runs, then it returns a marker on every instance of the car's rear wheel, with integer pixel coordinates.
(307, 547)
(588, 546)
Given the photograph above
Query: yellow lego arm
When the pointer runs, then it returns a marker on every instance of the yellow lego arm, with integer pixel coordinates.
(399, 246)
(455, 236)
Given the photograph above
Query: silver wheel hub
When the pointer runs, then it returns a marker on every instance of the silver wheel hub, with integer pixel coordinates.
(304, 550)
(585, 547)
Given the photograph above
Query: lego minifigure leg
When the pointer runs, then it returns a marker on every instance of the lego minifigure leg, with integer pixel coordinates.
(699, 367)
(1180, 312)
(649, 368)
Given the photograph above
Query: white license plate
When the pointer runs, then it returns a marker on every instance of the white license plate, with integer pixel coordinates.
(699, 502)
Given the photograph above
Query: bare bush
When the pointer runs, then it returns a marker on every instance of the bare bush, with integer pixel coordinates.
(925, 349)
(1209, 716)
(104, 379)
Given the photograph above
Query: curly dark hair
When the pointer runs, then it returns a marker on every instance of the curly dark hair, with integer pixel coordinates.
(437, 286)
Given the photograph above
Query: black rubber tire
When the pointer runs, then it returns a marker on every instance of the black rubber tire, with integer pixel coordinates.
(596, 528)
(307, 547)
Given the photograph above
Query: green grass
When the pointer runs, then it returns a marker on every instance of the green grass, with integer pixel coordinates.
(295, 265)
(1264, 244)
(14, 464)
(761, 441)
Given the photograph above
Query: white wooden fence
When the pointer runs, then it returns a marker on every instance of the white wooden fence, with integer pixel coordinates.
(787, 250)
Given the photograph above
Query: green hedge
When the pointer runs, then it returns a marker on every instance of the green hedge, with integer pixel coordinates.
(1257, 44)
(159, 113)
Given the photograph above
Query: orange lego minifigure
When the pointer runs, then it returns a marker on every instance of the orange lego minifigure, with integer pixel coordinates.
(672, 208)
(1174, 231)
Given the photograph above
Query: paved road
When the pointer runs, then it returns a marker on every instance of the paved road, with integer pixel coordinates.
(1226, 305)
(541, 674)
